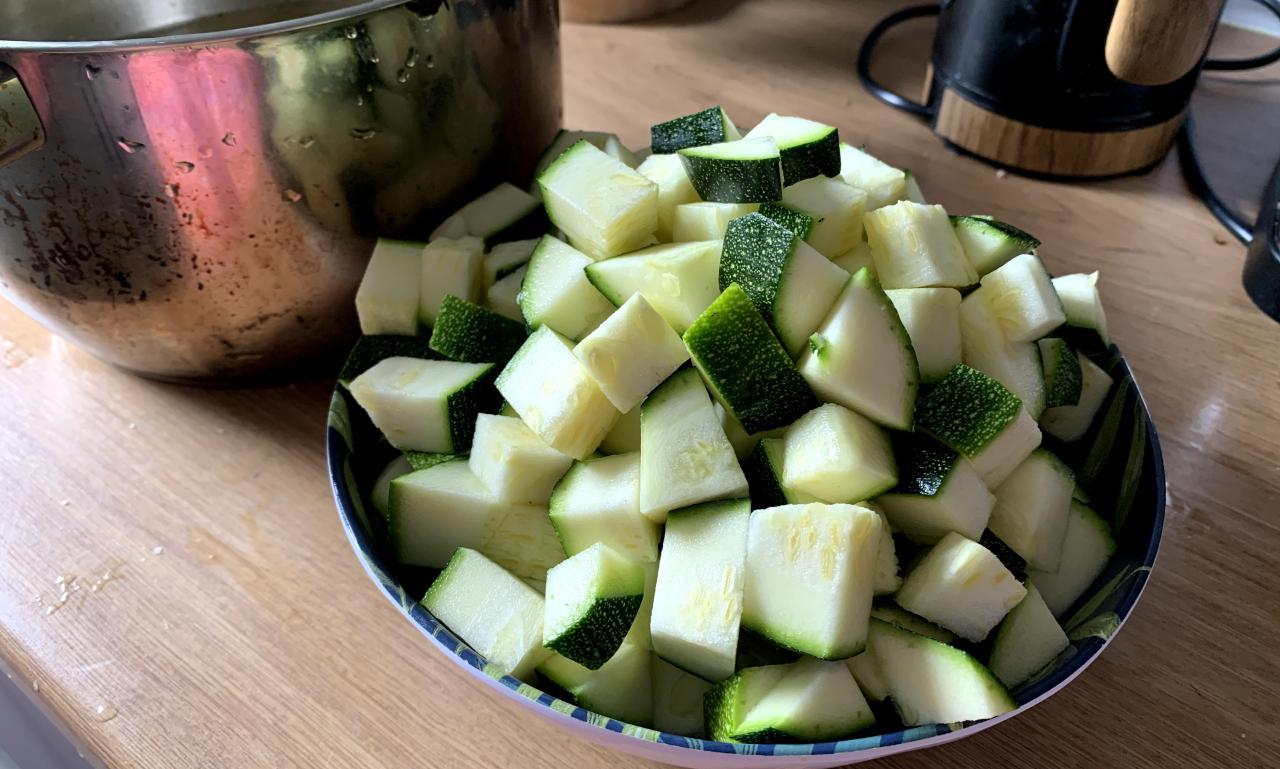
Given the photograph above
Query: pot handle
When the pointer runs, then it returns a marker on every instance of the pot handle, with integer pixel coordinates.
(896, 100)
(20, 128)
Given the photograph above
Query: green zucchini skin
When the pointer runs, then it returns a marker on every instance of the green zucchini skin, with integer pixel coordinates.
(708, 126)
(469, 333)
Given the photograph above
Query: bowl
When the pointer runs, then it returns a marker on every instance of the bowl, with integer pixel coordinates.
(1128, 489)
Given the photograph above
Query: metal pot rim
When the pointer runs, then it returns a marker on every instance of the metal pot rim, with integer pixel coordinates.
(200, 38)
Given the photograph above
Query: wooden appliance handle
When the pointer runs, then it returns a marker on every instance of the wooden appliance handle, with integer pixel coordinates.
(1154, 42)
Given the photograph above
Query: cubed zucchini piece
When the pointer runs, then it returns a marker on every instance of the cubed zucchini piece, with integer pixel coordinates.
(707, 221)
(913, 191)
(555, 396)
(836, 209)
(525, 544)
(674, 189)
(685, 457)
(603, 206)
(709, 126)
(1082, 304)
(1063, 379)
(677, 699)
(697, 605)
(369, 351)
(812, 701)
(503, 297)
(1031, 509)
(380, 493)
(1086, 549)
(426, 405)
(978, 417)
(938, 492)
(564, 140)
(387, 300)
(799, 222)
(513, 461)
(791, 284)
(915, 247)
(837, 455)
(469, 333)
(983, 346)
(744, 443)
(505, 210)
(449, 267)
(764, 469)
(883, 183)
(810, 577)
(556, 292)
(620, 689)
(494, 612)
(633, 351)
(887, 579)
(433, 512)
(933, 683)
(962, 586)
(598, 500)
(1028, 639)
(808, 148)
(989, 243)
(680, 280)
(592, 599)
(505, 258)
(743, 171)
(856, 258)
(931, 317)
(1020, 295)
(745, 366)
(900, 617)
(726, 705)
(624, 438)
(1070, 423)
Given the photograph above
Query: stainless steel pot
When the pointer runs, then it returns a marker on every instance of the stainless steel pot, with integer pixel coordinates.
(189, 189)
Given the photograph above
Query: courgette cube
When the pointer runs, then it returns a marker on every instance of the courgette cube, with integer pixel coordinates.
(837, 455)
(915, 247)
(1086, 549)
(913, 191)
(685, 457)
(680, 280)
(961, 586)
(503, 297)
(620, 689)
(1021, 297)
(799, 222)
(469, 333)
(900, 617)
(1070, 423)
(791, 284)
(380, 494)
(1063, 379)
(369, 351)
(983, 345)
(555, 396)
(505, 258)
(449, 267)
(856, 259)
(933, 683)
(726, 705)
(931, 317)
(743, 171)
(421, 460)
(513, 461)
(810, 577)
(978, 417)
(707, 221)
(836, 209)
(808, 148)
(764, 468)
(624, 438)
(500, 211)
(592, 599)
(525, 544)
(744, 443)
(603, 206)
(674, 189)
(708, 126)
(426, 405)
(884, 184)
(1082, 303)
(387, 300)
(862, 358)
(1016, 564)
(556, 292)
(434, 511)
(614, 148)
(745, 366)
(598, 500)
(887, 580)
(812, 701)
(564, 140)
(697, 605)
(494, 612)
(938, 492)
(1028, 639)
(633, 351)
(989, 243)
(1031, 509)
(677, 699)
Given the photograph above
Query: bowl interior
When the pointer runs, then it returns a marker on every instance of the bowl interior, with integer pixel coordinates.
(1118, 463)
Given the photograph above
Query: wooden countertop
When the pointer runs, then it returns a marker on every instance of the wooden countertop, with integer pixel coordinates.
(220, 619)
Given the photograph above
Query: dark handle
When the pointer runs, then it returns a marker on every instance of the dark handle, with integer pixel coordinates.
(893, 99)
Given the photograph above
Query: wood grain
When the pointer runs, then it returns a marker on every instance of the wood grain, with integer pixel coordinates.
(605, 11)
(1149, 45)
(1047, 150)
(253, 639)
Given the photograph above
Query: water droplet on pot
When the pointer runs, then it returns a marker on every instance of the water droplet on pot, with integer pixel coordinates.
(359, 101)
(184, 166)
(91, 72)
(411, 60)
(431, 61)
(402, 76)
(363, 133)
(171, 190)
(307, 142)
(293, 196)
(375, 59)
(351, 32)
(229, 139)
(128, 145)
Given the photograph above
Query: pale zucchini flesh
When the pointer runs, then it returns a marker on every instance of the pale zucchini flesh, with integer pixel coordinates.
(387, 301)
(915, 247)
(837, 456)
(679, 280)
(1028, 639)
(604, 207)
(633, 351)
(962, 586)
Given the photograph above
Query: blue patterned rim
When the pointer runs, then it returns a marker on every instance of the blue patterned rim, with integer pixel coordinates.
(1119, 463)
